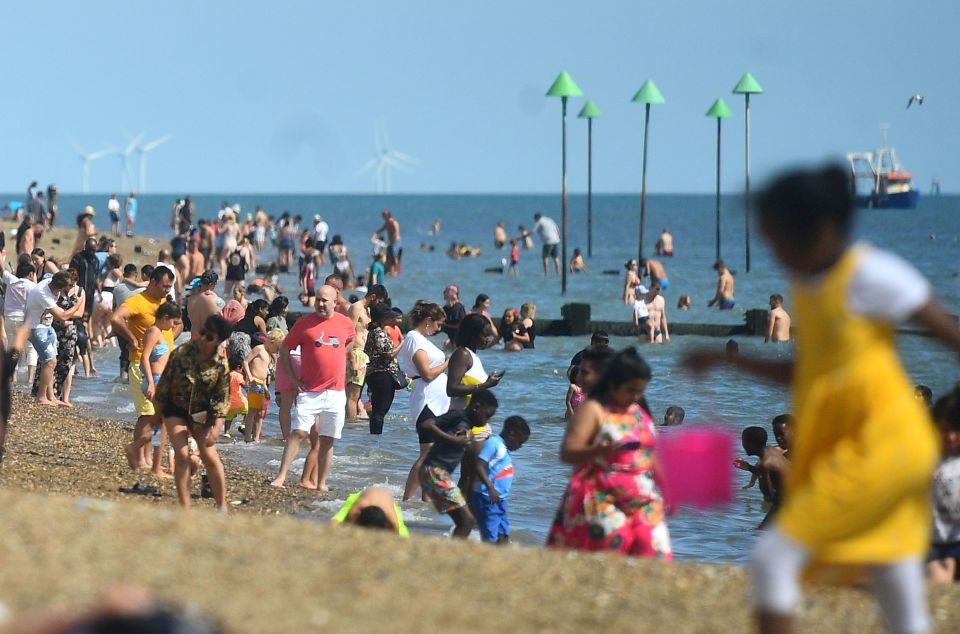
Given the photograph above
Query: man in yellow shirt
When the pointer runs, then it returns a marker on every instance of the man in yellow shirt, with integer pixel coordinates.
(130, 321)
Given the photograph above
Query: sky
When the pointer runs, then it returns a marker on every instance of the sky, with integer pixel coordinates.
(285, 96)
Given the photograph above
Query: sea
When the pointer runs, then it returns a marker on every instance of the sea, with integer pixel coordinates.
(534, 384)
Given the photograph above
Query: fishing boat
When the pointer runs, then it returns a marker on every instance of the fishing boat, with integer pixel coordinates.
(880, 180)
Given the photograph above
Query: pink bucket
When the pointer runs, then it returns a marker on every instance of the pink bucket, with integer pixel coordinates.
(695, 465)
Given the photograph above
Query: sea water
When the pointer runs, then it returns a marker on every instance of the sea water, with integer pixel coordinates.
(534, 384)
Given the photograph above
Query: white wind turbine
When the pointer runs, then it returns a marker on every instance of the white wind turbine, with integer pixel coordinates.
(126, 179)
(87, 158)
(142, 151)
(385, 159)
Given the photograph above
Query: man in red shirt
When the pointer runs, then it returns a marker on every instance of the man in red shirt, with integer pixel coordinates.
(324, 339)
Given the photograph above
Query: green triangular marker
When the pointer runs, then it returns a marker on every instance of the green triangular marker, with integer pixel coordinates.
(564, 86)
(747, 85)
(589, 111)
(719, 110)
(648, 93)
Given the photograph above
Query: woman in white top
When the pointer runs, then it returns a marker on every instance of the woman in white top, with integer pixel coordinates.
(425, 364)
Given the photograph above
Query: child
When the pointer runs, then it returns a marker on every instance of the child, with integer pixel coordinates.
(452, 436)
(238, 400)
(514, 258)
(584, 376)
(864, 450)
(925, 394)
(754, 440)
(683, 303)
(673, 416)
(393, 328)
(641, 314)
(495, 471)
(577, 265)
(782, 426)
(256, 370)
(942, 560)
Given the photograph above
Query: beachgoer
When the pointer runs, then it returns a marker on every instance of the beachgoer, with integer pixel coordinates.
(325, 339)
(654, 270)
(778, 324)
(14, 307)
(577, 264)
(425, 364)
(239, 261)
(394, 249)
(257, 368)
(528, 316)
(320, 231)
(673, 416)
(130, 206)
(157, 345)
(782, 427)
(277, 314)
(378, 269)
(612, 502)
(193, 395)
(203, 302)
(630, 282)
(514, 268)
(864, 449)
(113, 208)
(599, 339)
(453, 436)
(945, 550)
(340, 257)
(500, 236)
(641, 315)
(549, 235)
(130, 321)
(40, 309)
(482, 307)
(512, 331)
(85, 230)
(382, 369)
(129, 285)
(664, 245)
(658, 330)
(454, 313)
(723, 298)
(684, 302)
(495, 474)
(593, 362)
(465, 374)
(923, 393)
(196, 263)
(357, 363)
(374, 507)
(26, 236)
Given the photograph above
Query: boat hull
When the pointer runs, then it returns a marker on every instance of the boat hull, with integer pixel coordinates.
(900, 200)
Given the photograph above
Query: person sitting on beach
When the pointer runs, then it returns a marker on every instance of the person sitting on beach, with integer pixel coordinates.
(684, 302)
(256, 370)
(592, 364)
(452, 434)
(673, 416)
(723, 298)
(942, 561)
(193, 395)
(654, 270)
(612, 502)
(158, 343)
(495, 474)
(778, 323)
(658, 331)
(577, 264)
(373, 507)
(925, 394)
(664, 244)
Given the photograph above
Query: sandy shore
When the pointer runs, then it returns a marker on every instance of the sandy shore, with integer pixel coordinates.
(68, 533)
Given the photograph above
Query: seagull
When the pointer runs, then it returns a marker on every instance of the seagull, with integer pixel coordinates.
(915, 98)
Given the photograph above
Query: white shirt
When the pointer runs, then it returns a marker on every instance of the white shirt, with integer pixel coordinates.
(40, 299)
(946, 502)
(15, 300)
(113, 205)
(547, 230)
(321, 230)
(432, 394)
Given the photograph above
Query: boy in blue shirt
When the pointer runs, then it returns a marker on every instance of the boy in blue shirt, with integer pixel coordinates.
(495, 471)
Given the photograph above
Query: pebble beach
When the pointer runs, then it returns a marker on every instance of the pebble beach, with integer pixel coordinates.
(70, 534)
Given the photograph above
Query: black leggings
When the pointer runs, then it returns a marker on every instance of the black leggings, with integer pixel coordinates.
(381, 392)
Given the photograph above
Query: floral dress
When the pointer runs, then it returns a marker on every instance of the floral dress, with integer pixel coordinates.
(613, 503)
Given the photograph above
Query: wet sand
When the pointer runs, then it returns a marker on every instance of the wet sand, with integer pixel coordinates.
(68, 534)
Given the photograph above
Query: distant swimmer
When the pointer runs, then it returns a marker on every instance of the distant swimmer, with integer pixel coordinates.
(778, 326)
(499, 235)
(724, 296)
(664, 245)
(915, 99)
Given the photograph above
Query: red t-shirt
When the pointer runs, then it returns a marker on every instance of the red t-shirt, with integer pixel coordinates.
(323, 347)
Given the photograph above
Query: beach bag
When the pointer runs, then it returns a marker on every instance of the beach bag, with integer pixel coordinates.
(399, 379)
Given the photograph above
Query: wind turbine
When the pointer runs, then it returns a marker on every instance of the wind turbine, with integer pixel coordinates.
(142, 151)
(385, 159)
(88, 158)
(126, 179)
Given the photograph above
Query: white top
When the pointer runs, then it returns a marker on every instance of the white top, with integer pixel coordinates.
(15, 300)
(113, 205)
(320, 230)
(883, 286)
(946, 502)
(477, 373)
(547, 230)
(640, 308)
(432, 394)
(40, 299)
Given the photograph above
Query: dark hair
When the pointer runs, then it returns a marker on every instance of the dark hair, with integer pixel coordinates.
(922, 391)
(482, 297)
(254, 307)
(146, 271)
(209, 278)
(484, 398)
(372, 517)
(778, 297)
(38, 251)
(676, 413)
(516, 424)
(129, 269)
(217, 325)
(598, 357)
(797, 203)
(379, 291)
(626, 365)
(754, 436)
(114, 261)
(168, 309)
(782, 419)
(61, 280)
(947, 409)
(471, 332)
(160, 273)
(423, 310)
(600, 334)
(277, 306)
(24, 269)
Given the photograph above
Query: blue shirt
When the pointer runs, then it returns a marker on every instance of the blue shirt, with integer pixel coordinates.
(132, 207)
(500, 467)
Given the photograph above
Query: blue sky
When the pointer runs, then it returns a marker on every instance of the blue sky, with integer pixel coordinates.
(284, 96)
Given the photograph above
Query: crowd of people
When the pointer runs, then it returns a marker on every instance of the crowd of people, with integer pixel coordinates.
(848, 482)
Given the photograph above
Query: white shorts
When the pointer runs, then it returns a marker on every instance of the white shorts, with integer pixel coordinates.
(326, 409)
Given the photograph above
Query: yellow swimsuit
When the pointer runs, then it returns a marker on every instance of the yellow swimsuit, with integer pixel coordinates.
(864, 447)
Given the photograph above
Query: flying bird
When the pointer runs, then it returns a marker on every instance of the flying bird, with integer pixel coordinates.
(918, 99)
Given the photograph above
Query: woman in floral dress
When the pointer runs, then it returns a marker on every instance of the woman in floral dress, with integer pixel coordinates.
(612, 502)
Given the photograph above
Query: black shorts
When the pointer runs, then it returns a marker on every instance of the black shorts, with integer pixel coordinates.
(114, 216)
(550, 251)
(424, 437)
(320, 245)
(172, 411)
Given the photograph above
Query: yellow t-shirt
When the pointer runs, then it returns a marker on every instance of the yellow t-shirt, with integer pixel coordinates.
(143, 314)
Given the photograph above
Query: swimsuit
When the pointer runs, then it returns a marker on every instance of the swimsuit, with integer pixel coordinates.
(726, 303)
(256, 393)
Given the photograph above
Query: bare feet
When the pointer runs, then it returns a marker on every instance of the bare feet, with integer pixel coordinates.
(277, 483)
(307, 485)
(323, 488)
(44, 401)
(161, 475)
(64, 403)
(131, 456)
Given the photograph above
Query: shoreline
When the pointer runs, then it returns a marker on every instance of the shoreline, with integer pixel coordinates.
(58, 489)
